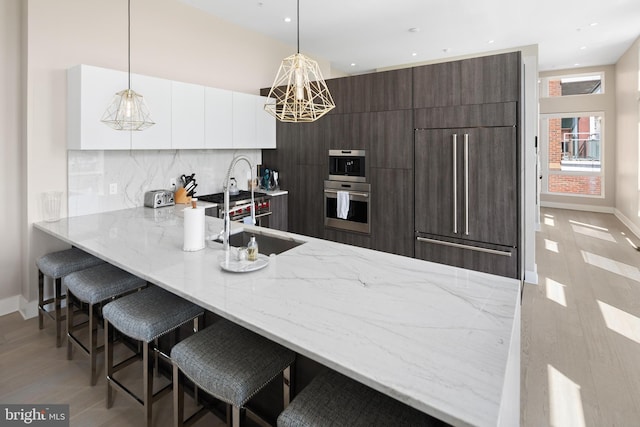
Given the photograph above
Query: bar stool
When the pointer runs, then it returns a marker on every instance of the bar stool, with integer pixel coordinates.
(94, 287)
(57, 265)
(231, 364)
(333, 399)
(144, 316)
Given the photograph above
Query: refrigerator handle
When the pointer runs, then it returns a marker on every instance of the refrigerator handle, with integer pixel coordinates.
(466, 184)
(455, 184)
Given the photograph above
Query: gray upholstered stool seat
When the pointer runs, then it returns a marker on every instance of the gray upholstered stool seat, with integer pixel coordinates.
(57, 265)
(230, 363)
(332, 399)
(94, 286)
(144, 316)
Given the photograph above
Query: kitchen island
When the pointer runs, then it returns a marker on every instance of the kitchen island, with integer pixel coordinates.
(441, 339)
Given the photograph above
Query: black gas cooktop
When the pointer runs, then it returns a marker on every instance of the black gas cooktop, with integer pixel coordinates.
(242, 196)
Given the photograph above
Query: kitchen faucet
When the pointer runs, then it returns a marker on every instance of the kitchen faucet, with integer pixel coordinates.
(227, 221)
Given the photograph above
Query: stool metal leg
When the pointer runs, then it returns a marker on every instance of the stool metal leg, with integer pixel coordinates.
(237, 416)
(58, 310)
(147, 362)
(93, 345)
(70, 302)
(178, 397)
(287, 386)
(40, 299)
(108, 358)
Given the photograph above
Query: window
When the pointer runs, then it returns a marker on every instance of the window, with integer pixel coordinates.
(573, 154)
(579, 84)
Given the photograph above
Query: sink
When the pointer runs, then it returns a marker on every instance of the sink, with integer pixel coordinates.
(267, 243)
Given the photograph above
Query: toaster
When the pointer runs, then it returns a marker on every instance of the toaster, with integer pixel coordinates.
(158, 198)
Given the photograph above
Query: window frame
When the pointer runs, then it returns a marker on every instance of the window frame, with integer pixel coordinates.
(544, 84)
(544, 154)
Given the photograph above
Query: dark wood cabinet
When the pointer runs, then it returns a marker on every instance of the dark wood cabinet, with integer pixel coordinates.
(392, 210)
(306, 201)
(436, 85)
(494, 259)
(384, 91)
(489, 79)
(348, 238)
(481, 80)
(390, 139)
(279, 219)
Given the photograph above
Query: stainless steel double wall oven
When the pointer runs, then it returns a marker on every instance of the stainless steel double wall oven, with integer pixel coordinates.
(347, 193)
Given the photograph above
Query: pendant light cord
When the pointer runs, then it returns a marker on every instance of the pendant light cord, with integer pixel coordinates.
(129, 42)
(298, 21)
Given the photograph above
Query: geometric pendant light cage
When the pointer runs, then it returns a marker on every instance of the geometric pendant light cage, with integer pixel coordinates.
(127, 110)
(300, 92)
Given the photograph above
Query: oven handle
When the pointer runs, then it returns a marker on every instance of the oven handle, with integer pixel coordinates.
(355, 193)
(263, 214)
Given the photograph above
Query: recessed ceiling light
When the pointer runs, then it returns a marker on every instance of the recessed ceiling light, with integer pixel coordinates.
(414, 30)
(287, 19)
(593, 24)
(583, 47)
(445, 50)
(353, 64)
(576, 64)
(414, 54)
(491, 41)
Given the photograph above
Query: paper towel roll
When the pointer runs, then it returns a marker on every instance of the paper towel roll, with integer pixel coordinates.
(193, 229)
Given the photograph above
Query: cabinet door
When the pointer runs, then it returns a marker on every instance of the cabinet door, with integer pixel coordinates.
(391, 90)
(280, 215)
(265, 124)
(157, 96)
(218, 121)
(187, 115)
(437, 202)
(491, 79)
(244, 120)
(436, 85)
(90, 90)
(487, 258)
(492, 210)
(391, 139)
(391, 210)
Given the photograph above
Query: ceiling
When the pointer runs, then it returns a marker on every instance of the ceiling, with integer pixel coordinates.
(362, 36)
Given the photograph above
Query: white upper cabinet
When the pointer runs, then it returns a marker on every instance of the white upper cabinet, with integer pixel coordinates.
(265, 124)
(187, 115)
(244, 120)
(218, 118)
(157, 96)
(89, 92)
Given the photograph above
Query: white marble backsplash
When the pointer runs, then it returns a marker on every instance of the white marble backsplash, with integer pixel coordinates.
(91, 174)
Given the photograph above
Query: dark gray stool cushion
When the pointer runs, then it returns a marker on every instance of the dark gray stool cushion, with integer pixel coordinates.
(61, 263)
(100, 283)
(230, 362)
(150, 313)
(332, 399)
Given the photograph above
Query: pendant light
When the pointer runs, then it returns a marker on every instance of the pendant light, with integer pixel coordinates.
(300, 92)
(127, 110)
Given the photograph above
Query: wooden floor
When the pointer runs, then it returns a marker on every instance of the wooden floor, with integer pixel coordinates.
(580, 339)
(581, 324)
(34, 371)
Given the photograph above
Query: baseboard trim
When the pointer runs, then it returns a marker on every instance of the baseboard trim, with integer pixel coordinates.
(578, 207)
(28, 309)
(9, 305)
(531, 277)
(627, 222)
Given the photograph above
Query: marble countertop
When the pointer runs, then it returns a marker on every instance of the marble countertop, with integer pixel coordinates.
(432, 336)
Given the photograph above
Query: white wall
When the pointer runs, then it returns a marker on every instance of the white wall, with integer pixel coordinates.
(606, 103)
(627, 199)
(10, 154)
(168, 39)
